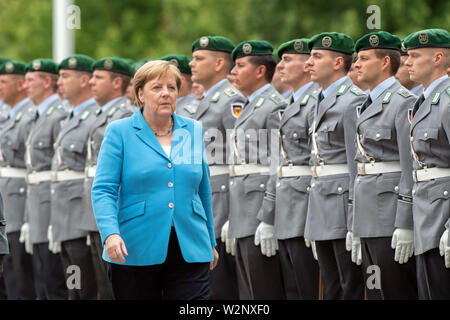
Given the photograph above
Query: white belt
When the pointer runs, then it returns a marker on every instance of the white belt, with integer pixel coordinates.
(9, 172)
(90, 171)
(378, 167)
(329, 170)
(244, 169)
(217, 170)
(430, 173)
(293, 171)
(38, 177)
(67, 175)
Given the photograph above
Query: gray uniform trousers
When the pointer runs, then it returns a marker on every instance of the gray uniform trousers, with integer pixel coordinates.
(259, 277)
(67, 200)
(48, 272)
(299, 268)
(17, 273)
(118, 110)
(327, 219)
(383, 202)
(430, 137)
(215, 113)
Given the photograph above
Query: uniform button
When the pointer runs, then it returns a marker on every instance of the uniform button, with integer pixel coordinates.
(445, 193)
(340, 189)
(295, 135)
(40, 143)
(22, 190)
(52, 191)
(261, 185)
(308, 188)
(414, 192)
(278, 184)
(169, 165)
(231, 183)
(284, 136)
(360, 136)
(396, 188)
(170, 184)
(425, 134)
(248, 136)
(72, 146)
(377, 135)
(171, 205)
(325, 128)
(313, 185)
(223, 187)
(358, 180)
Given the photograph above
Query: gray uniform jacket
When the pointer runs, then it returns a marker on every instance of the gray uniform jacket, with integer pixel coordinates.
(382, 202)
(430, 132)
(12, 143)
(335, 132)
(38, 157)
(66, 196)
(253, 132)
(291, 202)
(187, 105)
(215, 113)
(120, 109)
(4, 113)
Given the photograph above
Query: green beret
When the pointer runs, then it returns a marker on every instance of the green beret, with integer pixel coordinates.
(430, 38)
(378, 40)
(180, 61)
(275, 55)
(113, 64)
(3, 60)
(299, 46)
(214, 43)
(13, 67)
(403, 51)
(332, 41)
(135, 66)
(252, 48)
(78, 62)
(43, 65)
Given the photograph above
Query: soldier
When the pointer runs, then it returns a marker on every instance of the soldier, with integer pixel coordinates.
(40, 85)
(382, 203)
(68, 165)
(251, 202)
(217, 111)
(282, 88)
(18, 272)
(429, 57)
(300, 270)
(402, 75)
(4, 108)
(352, 74)
(129, 94)
(333, 166)
(109, 82)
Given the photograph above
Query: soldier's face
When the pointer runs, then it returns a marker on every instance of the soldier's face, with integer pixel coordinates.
(368, 67)
(101, 86)
(246, 75)
(159, 95)
(203, 66)
(420, 64)
(402, 74)
(129, 94)
(292, 68)
(70, 83)
(320, 65)
(10, 86)
(35, 86)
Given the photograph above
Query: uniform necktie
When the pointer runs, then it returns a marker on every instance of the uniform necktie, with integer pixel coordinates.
(320, 98)
(365, 105)
(418, 104)
(292, 99)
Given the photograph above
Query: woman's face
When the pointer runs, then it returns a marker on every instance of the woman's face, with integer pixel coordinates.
(159, 95)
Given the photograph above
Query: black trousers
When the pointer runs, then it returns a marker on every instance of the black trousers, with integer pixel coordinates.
(342, 279)
(174, 279)
(433, 278)
(104, 287)
(259, 277)
(398, 281)
(75, 253)
(48, 274)
(223, 277)
(18, 270)
(299, 269)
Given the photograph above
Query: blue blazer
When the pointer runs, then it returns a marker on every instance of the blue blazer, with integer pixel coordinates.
(138, 191)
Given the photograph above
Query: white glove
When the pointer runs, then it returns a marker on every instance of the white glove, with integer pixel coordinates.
(53, 246)
(311, 244)
(403, 243)
(353, 244)
(444, 248)
(264, 235)
(25, 237)
(230, 244)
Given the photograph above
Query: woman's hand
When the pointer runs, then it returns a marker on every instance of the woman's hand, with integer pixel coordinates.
(213, 263)
(115, 247)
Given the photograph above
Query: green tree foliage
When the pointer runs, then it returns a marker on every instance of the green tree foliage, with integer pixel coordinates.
(152, 28)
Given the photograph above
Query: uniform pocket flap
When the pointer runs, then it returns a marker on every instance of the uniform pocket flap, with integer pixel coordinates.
(73, 146)
(300, 184)
(387, 185)
(334, 187)
(255, 183)
(441, 191)
(329, 126)
(219, 187)
(131, 211)
(378, 134)
(42, 143)
(427, 133)
(197, 207)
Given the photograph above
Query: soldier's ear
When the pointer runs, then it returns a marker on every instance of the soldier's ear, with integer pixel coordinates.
(439, 58)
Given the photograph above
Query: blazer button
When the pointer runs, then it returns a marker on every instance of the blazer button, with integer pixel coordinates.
(170, 184)
(171, 205)
(169, 165)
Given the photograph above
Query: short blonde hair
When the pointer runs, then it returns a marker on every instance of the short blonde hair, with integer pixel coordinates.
(151, 70)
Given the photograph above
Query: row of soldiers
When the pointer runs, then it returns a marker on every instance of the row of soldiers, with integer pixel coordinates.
(341, 199)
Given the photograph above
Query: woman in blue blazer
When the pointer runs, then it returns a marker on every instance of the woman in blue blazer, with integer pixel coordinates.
(152, 197)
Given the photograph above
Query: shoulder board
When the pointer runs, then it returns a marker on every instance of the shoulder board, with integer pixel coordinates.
(188, 108)
(387, 97)
(259, 103)
(342, 89)
(85, 114)
(112, 111)
(215, 97)
(50, 110)
(18, 116)
(405, 93)
(436, 98)
(275, 98)
(305, 100)
(448, 91)
(357, 91)
(230, 92)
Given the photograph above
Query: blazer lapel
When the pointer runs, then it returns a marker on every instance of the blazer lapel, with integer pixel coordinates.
(146, 134)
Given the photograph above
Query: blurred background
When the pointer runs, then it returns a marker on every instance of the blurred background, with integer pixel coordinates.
(152, 28)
